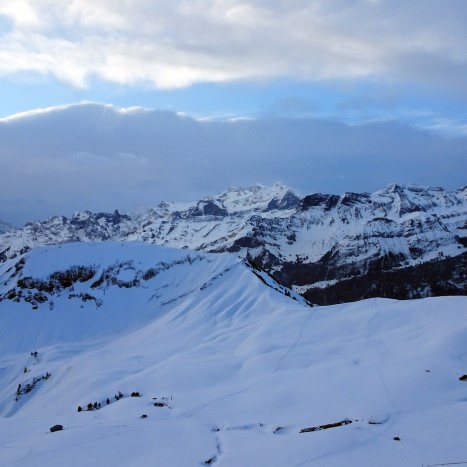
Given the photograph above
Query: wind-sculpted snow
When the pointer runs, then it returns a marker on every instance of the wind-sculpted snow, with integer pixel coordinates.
(190, 359)
(305, 243)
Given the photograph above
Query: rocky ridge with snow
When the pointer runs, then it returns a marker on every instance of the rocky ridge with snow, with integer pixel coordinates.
(404, 241)
(88, 272)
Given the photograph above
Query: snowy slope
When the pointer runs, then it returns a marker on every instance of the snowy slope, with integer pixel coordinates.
(89, 290)
(238, 369)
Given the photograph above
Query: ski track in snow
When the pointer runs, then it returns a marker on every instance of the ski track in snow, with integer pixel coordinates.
(295, 343)
(192, 412)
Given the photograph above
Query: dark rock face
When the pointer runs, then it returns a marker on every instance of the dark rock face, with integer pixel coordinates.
(36, 291)
(203, 208)
(434, 278)
(352, 199)
(4, 255)
(212, 209)
(244, 242)
(288, 201)
(326, 202)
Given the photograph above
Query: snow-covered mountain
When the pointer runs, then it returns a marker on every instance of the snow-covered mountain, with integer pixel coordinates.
(401, 241)
(4, 227)
(146, 356)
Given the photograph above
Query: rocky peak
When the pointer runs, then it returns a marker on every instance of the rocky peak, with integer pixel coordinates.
(258, 198)
(407, 199)
(83, 219)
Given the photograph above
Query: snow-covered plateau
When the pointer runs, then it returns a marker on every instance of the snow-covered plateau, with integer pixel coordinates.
(185, 358)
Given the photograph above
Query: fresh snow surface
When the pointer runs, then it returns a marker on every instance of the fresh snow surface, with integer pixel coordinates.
(239, 368)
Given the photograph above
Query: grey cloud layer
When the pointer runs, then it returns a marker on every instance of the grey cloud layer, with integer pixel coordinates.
(178, 43)
(97, 157)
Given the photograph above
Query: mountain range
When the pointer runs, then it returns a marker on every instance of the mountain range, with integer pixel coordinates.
(403, 241)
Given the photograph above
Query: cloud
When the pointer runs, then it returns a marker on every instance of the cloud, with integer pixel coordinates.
(447, 126)
(99, 157)
(179, 43)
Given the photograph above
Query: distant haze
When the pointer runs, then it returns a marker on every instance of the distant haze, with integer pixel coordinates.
(99, 157)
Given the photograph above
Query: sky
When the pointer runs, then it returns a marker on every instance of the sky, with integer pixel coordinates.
(354, 88)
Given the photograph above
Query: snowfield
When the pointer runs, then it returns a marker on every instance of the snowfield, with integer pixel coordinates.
(229, 370)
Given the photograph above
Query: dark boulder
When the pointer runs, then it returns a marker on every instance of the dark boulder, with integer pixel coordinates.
(56, 428)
